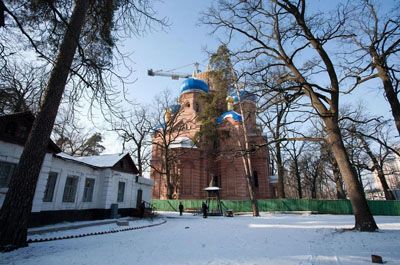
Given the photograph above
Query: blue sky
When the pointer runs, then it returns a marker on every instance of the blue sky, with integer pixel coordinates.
(181, 44)
(185, 42)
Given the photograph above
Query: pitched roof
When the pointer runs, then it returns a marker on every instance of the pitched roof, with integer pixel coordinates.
(100, 161)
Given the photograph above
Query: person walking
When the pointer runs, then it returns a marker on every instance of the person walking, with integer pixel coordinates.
(204, 207)
(142, 208)
(180, 208)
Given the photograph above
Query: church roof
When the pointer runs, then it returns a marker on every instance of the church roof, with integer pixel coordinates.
(229, 115)
(194, 85)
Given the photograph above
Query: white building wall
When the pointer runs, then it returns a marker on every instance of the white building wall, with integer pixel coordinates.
(11, 153)
(146, 185)
(66, 168)
(105, 189)
(129, 189)
(107, 196)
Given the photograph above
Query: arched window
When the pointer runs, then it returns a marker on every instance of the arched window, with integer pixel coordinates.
(255, 179)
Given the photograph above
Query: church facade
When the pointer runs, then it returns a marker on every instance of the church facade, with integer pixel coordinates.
(195, 164)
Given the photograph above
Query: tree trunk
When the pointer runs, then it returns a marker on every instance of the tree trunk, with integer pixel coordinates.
(379, 170)
(247, 161)
(359, 177)
(17, 206)
(170, 186)
(139, 159)
(279, 165)
(340, 193)
(388, 193)
(314, 185)
(298, 178)
(387, 86)
(364, 221)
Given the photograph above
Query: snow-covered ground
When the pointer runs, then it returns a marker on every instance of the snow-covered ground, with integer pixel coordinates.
(270, 239)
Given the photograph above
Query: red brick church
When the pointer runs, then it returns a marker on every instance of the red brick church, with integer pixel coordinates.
(197, 165)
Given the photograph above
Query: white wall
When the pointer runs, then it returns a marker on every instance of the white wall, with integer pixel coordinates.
(11, 153)
(105, 189)
(66, 168)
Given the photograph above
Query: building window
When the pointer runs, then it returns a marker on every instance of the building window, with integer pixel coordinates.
(70, 189)
(255, 179)
(88, 190)
(50, 186)
(6, 170)
(121, 191)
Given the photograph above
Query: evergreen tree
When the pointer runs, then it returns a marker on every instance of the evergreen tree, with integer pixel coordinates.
(220, 77)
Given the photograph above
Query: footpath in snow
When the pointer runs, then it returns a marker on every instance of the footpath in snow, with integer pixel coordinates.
(270, 239)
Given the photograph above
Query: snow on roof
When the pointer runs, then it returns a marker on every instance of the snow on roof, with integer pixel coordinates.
(102, 161)
(229, 115)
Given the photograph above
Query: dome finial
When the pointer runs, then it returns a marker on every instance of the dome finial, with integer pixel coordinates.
(167, 115)
(229, 102)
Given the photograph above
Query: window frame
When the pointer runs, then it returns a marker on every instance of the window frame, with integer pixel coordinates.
(121, 194)
(6, 182)
(88, 190)
(72, 190)
(50, 190)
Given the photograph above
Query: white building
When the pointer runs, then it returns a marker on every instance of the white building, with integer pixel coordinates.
(72, 188)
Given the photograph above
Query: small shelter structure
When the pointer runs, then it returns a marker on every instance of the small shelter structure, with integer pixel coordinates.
(214, 201)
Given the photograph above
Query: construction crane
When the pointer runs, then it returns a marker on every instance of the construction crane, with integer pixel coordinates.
(173, 75)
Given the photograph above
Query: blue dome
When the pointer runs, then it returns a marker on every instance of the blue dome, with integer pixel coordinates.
(229, 114)
(244, 96)
(193, 85)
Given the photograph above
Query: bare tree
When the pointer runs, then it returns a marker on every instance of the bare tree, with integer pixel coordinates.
(370, 144)
(21, 87)
(277, 34)
(73, 138)
(376, 34)
(378, 162)
(135, 130)
(245, 146)
(273, 118)
(169, 125)
(295, 150)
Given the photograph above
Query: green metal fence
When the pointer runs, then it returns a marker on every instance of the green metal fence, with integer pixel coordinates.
(319, 206)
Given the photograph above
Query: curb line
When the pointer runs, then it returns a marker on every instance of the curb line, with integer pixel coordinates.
(93, 233)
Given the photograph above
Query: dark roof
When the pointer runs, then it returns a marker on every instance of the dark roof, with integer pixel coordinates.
(15, 128)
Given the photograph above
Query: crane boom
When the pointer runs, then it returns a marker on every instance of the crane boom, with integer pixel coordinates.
(174, 76)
